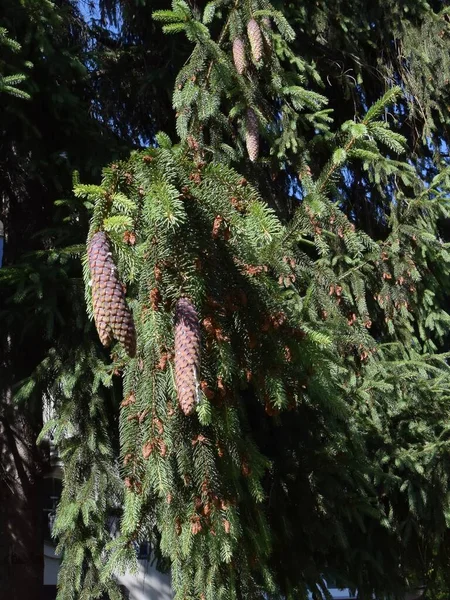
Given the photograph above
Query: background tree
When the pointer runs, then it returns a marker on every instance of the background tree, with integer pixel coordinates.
(45, 124)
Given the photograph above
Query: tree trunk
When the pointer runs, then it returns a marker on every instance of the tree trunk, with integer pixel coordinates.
(21, 539)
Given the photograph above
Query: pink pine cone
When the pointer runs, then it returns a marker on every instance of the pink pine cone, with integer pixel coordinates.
(252, 134)
(187, 354)
(113, 318)
(256, 40)
(240, 60)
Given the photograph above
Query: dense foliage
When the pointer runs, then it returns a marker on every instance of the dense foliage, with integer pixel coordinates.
(299, 199)
(45, 125)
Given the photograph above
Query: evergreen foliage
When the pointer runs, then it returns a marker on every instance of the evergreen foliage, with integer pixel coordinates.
(286, 312)
(302, 217)
(41, 307)
(9, 83)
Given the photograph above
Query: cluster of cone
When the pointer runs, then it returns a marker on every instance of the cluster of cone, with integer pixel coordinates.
(113, 318)
(255, 38)
(187, 355)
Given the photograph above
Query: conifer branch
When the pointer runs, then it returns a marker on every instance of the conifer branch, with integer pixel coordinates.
(221, 39)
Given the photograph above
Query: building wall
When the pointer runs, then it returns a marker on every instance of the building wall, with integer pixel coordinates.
(51, 565)
(148, 584)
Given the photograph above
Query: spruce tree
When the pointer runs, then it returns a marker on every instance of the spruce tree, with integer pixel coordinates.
(284, 416)
(284, 259)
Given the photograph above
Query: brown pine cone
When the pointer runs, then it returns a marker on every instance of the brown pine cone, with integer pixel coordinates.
(112, 316)
(240, 60)
(255, 39)
(252, 135)
(187, 355)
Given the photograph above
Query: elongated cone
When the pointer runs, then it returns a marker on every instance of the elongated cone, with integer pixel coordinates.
(240, 60)
(267, 36)
(252, 135)
(187, 354)
(255, 39)
(112, 316)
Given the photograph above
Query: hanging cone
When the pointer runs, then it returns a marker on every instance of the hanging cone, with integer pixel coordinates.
(255, 39)
(187, 355)
(240, 60)
(266, 32)
(252, 135)
(112, 316)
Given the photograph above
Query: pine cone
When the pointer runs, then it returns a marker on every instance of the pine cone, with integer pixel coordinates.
(252, 135)
(113, 318)
(256, 39)
(267, 36)
(187, 354)
(240, 60)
